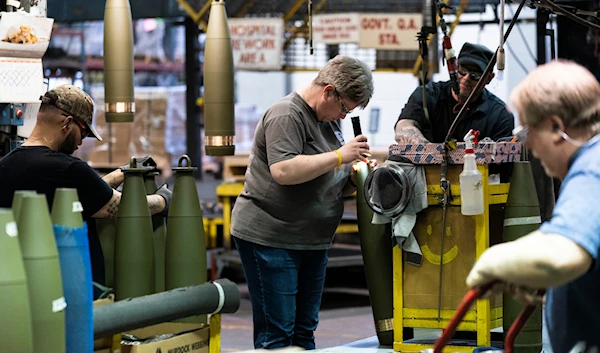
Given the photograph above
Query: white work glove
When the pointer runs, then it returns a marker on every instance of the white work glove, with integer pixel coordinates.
(485, 269)
(503, 263)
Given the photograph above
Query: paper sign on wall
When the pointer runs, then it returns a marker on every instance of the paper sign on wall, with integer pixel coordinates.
(389, 31)
(257, 43)
(336, 28)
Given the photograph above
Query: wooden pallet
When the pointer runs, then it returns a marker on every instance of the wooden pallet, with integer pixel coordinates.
(234, 167)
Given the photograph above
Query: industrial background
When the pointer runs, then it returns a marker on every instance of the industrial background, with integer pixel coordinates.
(169, 42)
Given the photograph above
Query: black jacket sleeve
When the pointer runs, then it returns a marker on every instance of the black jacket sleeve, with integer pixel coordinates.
(504, 125)
(413, 110)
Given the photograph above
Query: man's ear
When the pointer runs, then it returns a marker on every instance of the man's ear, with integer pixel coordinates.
(490, 77)
(68, 122)
(328, 90)
(557, 126)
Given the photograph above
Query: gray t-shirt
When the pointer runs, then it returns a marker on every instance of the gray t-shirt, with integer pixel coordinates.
(303, 216)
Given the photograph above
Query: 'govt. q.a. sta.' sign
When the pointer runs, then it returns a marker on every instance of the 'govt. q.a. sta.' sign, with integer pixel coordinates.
(257, 43)
(389, 31)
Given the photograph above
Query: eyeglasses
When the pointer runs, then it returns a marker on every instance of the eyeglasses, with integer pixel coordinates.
(85, 132)
(342, 105)
(475, 76)
(520, 133)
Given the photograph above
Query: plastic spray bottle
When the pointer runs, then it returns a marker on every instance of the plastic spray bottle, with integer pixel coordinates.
(471, 188)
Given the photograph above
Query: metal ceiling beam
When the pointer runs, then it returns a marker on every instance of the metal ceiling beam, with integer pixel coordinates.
(196, 16)
(201, 14)
(292, 11)
(243, 10)
(295, 30)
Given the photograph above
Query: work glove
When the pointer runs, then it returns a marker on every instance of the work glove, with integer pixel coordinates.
(145, 162)
(484, 270)
(167, 195)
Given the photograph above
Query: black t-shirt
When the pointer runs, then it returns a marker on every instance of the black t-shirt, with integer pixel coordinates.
(44, 170)
(488, 114)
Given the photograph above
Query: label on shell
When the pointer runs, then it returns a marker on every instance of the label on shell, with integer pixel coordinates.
(77, 206)
(11, 229)
(59, 304)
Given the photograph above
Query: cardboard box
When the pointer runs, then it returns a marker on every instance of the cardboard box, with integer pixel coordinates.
(188, 338)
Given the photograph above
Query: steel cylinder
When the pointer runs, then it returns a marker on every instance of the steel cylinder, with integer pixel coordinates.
(220, 296)
(71, 235)
(376, 248)
(521, 217)
(44, 280)
(106, 228)
(159, 235)
(119, 104)
(17, 201)
(16, 328)
(219, 126)
(185, 252)
(66, 208)
(134, 248)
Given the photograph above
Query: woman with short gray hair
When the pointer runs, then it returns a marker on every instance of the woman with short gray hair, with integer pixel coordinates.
(284, 220)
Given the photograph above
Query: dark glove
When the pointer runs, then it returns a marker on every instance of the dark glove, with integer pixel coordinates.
(167, 195)
(142, 162)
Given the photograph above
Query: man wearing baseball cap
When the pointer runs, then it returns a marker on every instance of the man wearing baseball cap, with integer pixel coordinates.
(45, 162)
(487, 113)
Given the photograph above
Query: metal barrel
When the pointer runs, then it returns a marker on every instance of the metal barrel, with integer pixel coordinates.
(185, 253)
(16, 328)
(134, 249)
(521, 217)
(376, 247)
(220, 296)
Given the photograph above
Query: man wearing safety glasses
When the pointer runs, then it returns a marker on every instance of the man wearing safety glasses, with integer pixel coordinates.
(487, 113)
(44, 163)
(559, 112)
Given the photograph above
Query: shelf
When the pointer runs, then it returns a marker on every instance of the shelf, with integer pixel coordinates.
(139, 65)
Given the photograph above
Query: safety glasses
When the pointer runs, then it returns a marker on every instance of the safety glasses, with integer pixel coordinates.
(475, 76)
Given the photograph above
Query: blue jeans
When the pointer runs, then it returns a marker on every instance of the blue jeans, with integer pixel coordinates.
(285, 291)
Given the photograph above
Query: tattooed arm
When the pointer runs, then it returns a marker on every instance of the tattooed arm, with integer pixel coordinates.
(114, 178)
(156, 204)
(408, 132)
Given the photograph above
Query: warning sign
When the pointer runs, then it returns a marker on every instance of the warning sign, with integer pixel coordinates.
(336, 28)
(390, 31)
(257, 43)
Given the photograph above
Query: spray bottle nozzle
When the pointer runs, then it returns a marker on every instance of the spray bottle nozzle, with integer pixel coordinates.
(472, 137)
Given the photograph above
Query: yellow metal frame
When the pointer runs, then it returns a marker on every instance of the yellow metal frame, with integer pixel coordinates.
(227, 192)
(481, 318)
(210, 231)
(214, 345)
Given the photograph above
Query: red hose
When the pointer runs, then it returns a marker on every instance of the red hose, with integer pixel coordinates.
(464, 306)
(517, 326)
